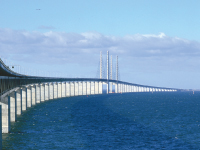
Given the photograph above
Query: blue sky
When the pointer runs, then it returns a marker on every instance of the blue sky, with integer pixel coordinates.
(110, 17)
(158, 42)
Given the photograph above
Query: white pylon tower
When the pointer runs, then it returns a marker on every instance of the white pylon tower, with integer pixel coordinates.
(101, 65)
(117, 68)
(111, 67)
(111, 73)
(117, 90)
(107, 72)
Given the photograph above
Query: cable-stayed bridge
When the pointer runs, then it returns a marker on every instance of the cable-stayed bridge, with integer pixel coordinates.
(19, 91)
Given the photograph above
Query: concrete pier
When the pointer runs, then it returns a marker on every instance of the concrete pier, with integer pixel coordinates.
(63, 89)
(19, 101)
(5, 105)
(76, 87)
(46, 89)
(55, 90)
(59, 90)
(13, 107)
(88, 88)
(72, 89)
(100, 88)
(68, 89)
(96, 84)
(84, 88)
(38, 93)
(51, 91)
(33, 94)
(42, 94)
(29, 97)
(26, 96)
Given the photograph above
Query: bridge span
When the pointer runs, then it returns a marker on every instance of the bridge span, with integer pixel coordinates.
(19, 92)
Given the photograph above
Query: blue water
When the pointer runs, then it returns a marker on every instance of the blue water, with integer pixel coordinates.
(116, 121)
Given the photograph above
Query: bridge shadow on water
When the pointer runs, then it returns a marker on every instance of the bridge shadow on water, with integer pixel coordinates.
(93, 122)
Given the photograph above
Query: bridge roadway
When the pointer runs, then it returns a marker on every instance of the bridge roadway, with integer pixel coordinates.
(18, 91)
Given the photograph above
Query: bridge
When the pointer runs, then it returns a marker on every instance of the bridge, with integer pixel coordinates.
(19, 92)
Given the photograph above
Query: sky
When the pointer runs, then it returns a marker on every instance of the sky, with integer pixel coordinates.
(157, 42)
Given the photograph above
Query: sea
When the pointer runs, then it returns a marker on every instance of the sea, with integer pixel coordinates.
(127, 121)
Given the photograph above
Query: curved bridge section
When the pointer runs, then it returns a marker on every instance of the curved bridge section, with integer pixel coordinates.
(19, 92)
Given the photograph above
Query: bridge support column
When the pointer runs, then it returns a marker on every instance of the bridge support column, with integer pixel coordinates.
(140, 89)
(84, 88)
(55, 90)
(108, 87)
(51, 91)
(13, 107)
(76, 87)
(92, 87)
(5, 114)
(96, 84)
(120, 88)
(124, 88)
(46, 89)
(33, 94)
(133, 88)
(19, 102)
(100, 88)
(72, 89)
(88, 88)
(29, 99)
(68, 88)
(59, 90)
(38, 93)
(80, 87)
(24, 98)
(111, 87)
(42, 94)
(116, 87)
(63, 89)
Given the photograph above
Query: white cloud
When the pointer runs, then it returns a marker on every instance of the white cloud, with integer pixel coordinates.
(137, 53)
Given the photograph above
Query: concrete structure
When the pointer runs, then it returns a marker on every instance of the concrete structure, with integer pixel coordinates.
(19, 92)
(17, 100)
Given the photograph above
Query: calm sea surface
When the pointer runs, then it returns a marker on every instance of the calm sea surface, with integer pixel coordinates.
(118, 121)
